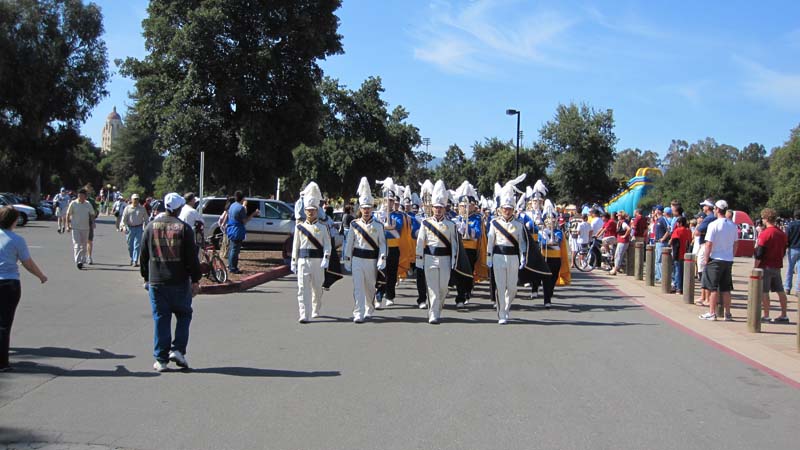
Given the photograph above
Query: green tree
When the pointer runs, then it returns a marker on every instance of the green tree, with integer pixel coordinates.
(238, 80)
(677, 151)
(132, 153)
(53, 71)
(360, 137)
(133, 186)
(628, 161)
(784, 169)
(580, 140)
(454, 168)
(495, 162)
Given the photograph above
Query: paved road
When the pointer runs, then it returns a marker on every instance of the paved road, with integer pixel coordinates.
(596, 372)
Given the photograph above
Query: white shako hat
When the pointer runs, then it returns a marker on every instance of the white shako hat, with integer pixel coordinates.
(539, 190)
(508, 192)
(364, 193)
(549, 210)
(440, 194)
(311, 196)
(426, 188)
(388, 188)
(407, 197)
(415, 200)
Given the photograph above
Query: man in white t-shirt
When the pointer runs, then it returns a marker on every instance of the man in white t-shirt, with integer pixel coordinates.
(61, 202)
(191, 217)
(720, 248)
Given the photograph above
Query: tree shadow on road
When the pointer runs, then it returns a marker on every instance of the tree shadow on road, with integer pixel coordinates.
(254, 372)
(120, 371)
(11, 435)
(61, 352)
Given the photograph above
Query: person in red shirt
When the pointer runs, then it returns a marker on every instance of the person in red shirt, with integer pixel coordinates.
(608, 234)
(639, 226)
(623, 238)
(770, 249)
(679, 241)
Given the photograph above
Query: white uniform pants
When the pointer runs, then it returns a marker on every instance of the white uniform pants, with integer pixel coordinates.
(80, 238)
(365, 273)
(437, 276)
(506, 273)
(309, 286)
(701, 256)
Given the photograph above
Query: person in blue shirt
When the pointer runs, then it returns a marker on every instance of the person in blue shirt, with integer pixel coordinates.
(235, 230)
(471, 231)
(662, 235)
(12, 249)
(793, 235)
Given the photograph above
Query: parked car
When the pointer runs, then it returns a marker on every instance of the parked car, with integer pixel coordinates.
(26, 213)
(44, 210)
(271, 227)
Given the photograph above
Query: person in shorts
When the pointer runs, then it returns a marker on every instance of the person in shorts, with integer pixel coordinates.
(770, 250)
(720, 248)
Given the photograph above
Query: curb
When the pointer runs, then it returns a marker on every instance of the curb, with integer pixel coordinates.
(246, 283)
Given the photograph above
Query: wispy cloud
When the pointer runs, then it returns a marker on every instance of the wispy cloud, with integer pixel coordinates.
(779, 88)
(483, 34)
(628, 23)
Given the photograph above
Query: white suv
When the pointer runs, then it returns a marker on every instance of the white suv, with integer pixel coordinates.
(272, 226)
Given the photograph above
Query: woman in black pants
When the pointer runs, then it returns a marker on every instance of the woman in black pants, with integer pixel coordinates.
(12, 249)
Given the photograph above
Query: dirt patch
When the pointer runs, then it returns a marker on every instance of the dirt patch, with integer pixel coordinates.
(252, 262)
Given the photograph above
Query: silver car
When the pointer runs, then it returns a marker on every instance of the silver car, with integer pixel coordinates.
(272, 226)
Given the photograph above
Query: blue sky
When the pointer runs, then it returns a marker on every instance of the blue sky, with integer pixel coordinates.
(669, 70)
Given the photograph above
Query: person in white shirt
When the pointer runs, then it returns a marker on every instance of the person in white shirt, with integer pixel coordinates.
(61, 202)
(720, 248)
(188, 214)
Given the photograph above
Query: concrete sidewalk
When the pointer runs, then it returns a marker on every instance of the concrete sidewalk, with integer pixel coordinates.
(775, 349)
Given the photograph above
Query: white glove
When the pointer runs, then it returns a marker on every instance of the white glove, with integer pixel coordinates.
(348, 266)
(489, 262)
(381, 264)
(324, 263)
(293, 267)
(522, 263)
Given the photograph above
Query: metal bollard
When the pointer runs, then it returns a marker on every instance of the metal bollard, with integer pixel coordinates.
(754, 301)
(650, 265)
(666, 270)
(638, 260)
(689, 261)
(629, 260)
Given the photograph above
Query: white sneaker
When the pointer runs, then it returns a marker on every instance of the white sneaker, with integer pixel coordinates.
(358, 320)
(178, 358)
(90, 260)
(708, 316)
(433, 321)
(160, 366)
(423, 306)
(367, 316)
(314, 315)
(502, 321)
(389, 302)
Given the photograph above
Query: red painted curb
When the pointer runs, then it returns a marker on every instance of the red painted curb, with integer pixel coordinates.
(705, 339)
(246, 283)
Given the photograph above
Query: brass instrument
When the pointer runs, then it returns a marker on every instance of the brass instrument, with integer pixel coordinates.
(427, 204)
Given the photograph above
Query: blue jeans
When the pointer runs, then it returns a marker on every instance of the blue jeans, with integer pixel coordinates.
(677, 275)
(659, 246)
(794, 263)
(165, 301)
(134, 238)
(234, 247)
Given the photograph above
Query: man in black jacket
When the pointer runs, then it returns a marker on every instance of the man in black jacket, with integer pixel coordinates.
(170, 266)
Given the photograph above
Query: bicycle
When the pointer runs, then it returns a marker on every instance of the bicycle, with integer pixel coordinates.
(585, 259)
(212, 265)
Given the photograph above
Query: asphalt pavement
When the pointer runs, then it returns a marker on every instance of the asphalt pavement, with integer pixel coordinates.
(596, 372)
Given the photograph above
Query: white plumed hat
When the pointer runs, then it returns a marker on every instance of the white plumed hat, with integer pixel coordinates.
(364, 193)
(311, 196)
(440, 194)
(388, 188)
(508, 192)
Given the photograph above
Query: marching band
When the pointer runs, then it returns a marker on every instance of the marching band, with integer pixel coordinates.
(442, 238)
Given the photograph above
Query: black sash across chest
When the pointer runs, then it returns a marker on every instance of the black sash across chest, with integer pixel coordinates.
(317, 252)
(438, 251)
(502, 249)
(362, 252)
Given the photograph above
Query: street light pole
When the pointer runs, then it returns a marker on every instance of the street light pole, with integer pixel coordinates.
(511, 112)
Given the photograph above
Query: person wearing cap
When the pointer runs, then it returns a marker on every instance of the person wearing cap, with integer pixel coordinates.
(61, 203)
(662, 234)
(769, 254)
(720, 248)
(311, 252)
(365, 254)
(437, 247)
(132, 223)
(700, 235)
(80, 215)
(506, 248)
(170, 266)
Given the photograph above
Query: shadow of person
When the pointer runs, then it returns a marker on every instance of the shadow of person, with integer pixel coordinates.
(254, 372)
(61, 352)
(120, 371)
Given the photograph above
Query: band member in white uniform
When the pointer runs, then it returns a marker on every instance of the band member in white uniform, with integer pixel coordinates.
(311, 252)
(365, 254)
(505, 252)
(436, 251)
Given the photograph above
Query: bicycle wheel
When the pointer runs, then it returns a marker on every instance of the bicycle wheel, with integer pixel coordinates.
(218, 270)
(583, 264)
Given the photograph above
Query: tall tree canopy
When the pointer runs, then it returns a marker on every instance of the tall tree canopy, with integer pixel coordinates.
(628, 161)
(455, 168)
(360, 138)
(580, 140)
(133, 153)
(785, 172)
(235, 79)
(53, 71)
